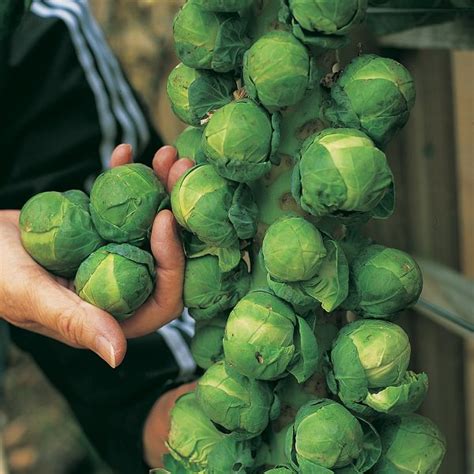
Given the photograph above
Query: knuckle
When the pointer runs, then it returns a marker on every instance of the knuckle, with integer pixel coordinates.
(69, 324)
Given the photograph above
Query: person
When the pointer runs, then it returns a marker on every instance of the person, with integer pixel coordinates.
(66, 105)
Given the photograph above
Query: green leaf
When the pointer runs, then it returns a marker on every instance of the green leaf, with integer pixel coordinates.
(243, 212)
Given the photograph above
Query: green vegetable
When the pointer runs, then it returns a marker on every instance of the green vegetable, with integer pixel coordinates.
(224, 5)
(241, 140)
(57, 231)
(218, 212)
(199, 446)
(209, 291)
(302, 268)
(326, 437)
(340, 173)
(410, 444)
(118, 278)
(280, 470)
(277, 70)
(383, 282)
(195, 93)
(373, 94)
(239, 404)
(188, 145)
(264, 339)
(369, 362)
(293, 249)
(329, 17)
(208, 40)
(206, 345)
(125, 201)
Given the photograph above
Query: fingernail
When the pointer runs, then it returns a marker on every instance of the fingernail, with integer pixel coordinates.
(105, 350)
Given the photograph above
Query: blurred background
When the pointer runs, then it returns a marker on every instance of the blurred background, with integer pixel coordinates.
(432, 160)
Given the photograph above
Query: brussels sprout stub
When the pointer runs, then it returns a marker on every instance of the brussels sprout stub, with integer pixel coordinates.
(125, 201)
(57, 231)
(209, 40)
(194, 93)
(117, 278)
(373, 94)
(277, 70)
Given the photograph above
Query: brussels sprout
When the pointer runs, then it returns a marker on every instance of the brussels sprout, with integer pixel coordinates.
(410, 444)
(264, 339)
(57, 231)
(193, 94)
(373, 94)
(199, 446)
(188, 145)
(329, 17)
(206, 345)
(217, 211)
(277, 70)
(124, 203)
(302, 269)
(224, 5)
(239, 404)
(118, 278)
(241, 140)
(208, 40)
(341, 174)
(280, 470)
(383, 282)
(209, 291)
(323, 23)
(293, 249)
(369, 362)
(326, 437)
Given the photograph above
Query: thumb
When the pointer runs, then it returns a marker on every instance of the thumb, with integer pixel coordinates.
(79, 323)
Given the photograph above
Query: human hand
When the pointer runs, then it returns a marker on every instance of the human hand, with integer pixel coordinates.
(157, 425)
(34, 299)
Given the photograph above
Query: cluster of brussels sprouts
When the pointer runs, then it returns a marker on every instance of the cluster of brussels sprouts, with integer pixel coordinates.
(97, 241)
(265, 293)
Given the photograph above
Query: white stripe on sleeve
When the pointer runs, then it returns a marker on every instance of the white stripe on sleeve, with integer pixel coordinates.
(180, 350)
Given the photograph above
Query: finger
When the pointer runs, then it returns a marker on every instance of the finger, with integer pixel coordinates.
(122, 155)
(163, 160)
(78, 323)
(177, 170)
(166, 303)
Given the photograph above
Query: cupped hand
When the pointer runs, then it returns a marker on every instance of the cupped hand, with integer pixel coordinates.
(34, 299)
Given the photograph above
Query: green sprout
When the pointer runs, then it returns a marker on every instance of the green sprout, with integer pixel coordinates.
(241, 140)
(369, 362)
(383, 282)
(199, 446)
(193, 93)
(117, 278)
(208, 291)
(326, 438)
(188, 145)
(209, 40)
(207, 344)
(341, 174)
(125, 201)
(373, 94)
(239, 404)
(304, 269)
(217, 211)
(56, 229)
(410, 444)
(277, 70)
(265, 339)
